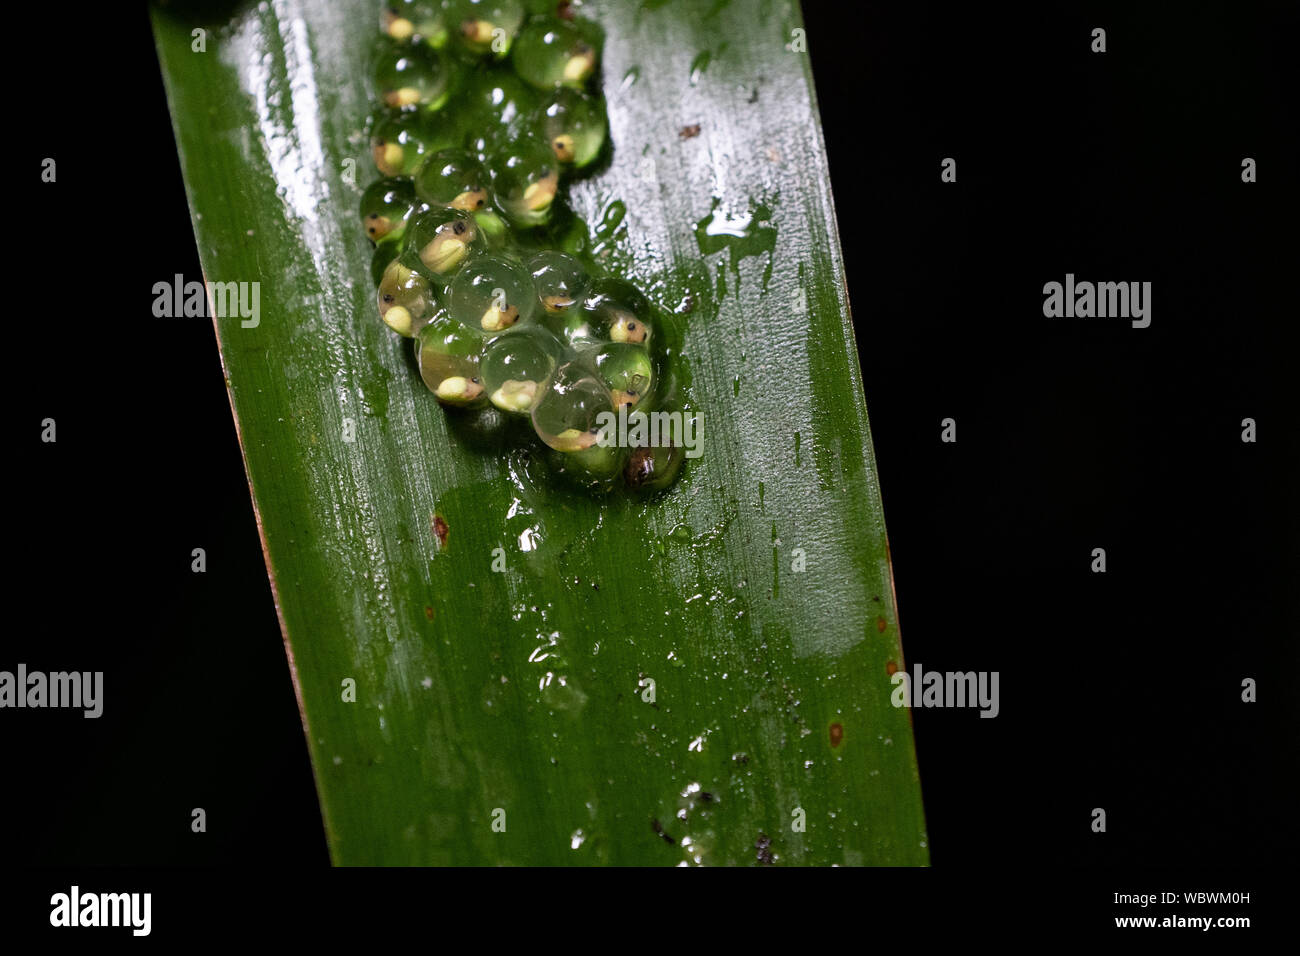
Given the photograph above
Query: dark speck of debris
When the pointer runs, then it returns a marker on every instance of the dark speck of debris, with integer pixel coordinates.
(876, 598)
(564, 10)
(595, 586)
(837, 734)
(658, 828)
(753, 96)
(706, 797)
(440, 529)
(689, 132)
(764, 847)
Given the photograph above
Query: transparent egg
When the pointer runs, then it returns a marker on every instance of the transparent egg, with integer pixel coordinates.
(572, 410)
(492, 228)
(574, 125)
(408, 76)
(485, 27)
(597, 469)
(386, 205)
(552, 52)
(492, 294)
(480, 143)
(618, 312)
(650, 468)
(400, 141)
(444, 239)
(517, 365)
(627, 371)
(406, 300)
(448, 355)
(524, 182)
(497, 109)
(560, 281)
(419, 21)
(574, 327)
(497, 98)
(386, 250)
(453, 178)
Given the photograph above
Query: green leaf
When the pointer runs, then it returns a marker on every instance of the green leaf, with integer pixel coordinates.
(524, 691)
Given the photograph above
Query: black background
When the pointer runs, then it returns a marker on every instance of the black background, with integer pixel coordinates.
(1119, 690)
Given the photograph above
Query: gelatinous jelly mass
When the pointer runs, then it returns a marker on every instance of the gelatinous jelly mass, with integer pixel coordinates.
(486, 108)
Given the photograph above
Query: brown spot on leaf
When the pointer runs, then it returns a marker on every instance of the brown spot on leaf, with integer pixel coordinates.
(428, 612)
(881, 624)
(440, 530)
(837, 734)
(891, 668)
(689, 132)
(564, 10)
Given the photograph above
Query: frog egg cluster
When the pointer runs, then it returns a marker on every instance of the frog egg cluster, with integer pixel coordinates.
(488, 108)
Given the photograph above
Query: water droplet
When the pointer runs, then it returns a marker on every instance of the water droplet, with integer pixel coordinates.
(699, 65)
(611, 219)
(560, 692)
(743, 234)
